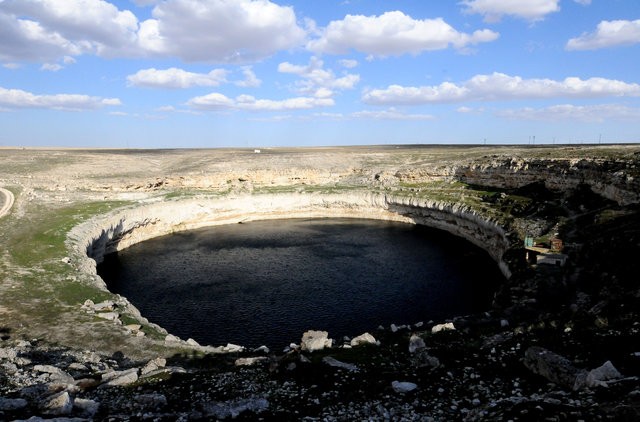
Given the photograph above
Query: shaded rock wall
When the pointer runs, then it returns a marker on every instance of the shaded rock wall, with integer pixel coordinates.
(617, 180)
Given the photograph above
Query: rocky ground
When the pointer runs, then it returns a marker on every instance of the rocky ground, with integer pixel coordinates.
(559, 343)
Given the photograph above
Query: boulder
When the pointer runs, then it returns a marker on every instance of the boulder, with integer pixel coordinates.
(232, 348)
(55, 374)
(120, 378)
(416, 343)
(443, 327)
(365, 338)
(57, 404)
(109, 316)
(403, 386)
(315, 340)
(249, 361)
(598, 377)
(85, 407)
(338, 364)
(170, 338)
(153, 365)
(12, 404)
(422, 359)
(554, 367)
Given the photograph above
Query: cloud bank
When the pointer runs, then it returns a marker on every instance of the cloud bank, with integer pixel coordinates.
(500, 87)
(17, 98)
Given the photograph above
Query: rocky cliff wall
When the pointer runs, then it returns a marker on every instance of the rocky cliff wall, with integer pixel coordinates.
(617, 180)
(93, 239)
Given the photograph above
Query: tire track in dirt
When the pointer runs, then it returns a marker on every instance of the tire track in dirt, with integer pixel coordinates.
(7, 203)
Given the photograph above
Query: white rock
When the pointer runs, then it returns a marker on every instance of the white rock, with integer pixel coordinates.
(107, 305)
(153, 365)
(117, 378)
(192, 342)
(504, 323)
(232, 348)
(263, 349)
(56, 374)
(170, 338)
(394, 328)
(8, 353)
(443, 327)
(109, 316)
(58, 404)
(416, 343)
(403, 386)
(365, 338)
(250, 361)
(315, 340)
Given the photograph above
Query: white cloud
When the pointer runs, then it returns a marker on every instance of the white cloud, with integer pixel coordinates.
(217, 101)
(41, 30)
(608, 34)
(17, 98)
(393, 34)
(500, 87)
(220, 31)
(349, 64)
(494, 10)
(250, 79)
(51, 67)
(176, 78)
(193, 30)
(588, 114)
(465, 110)
(391, 114)
(583, 2)
(317, 81)
(11, 66)
(54, 67)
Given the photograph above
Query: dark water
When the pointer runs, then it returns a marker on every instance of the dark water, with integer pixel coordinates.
(267, 282)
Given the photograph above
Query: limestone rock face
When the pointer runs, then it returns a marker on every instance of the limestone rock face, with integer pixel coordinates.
(315, 340)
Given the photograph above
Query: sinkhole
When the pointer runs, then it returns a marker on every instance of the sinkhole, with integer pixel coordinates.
(266, 282)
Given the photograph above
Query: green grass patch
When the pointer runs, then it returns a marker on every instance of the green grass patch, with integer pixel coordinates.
(43, 239)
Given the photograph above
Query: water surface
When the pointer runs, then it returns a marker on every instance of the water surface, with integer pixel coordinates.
(267, 282)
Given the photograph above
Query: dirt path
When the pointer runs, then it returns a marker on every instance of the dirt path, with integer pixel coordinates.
(7, 202)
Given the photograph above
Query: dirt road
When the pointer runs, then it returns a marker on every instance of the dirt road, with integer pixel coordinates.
(6, 201)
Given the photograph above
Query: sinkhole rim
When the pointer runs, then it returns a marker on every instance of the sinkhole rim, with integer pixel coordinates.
(116, 230)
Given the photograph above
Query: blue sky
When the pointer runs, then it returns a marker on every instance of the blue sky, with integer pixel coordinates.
(249, 73)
